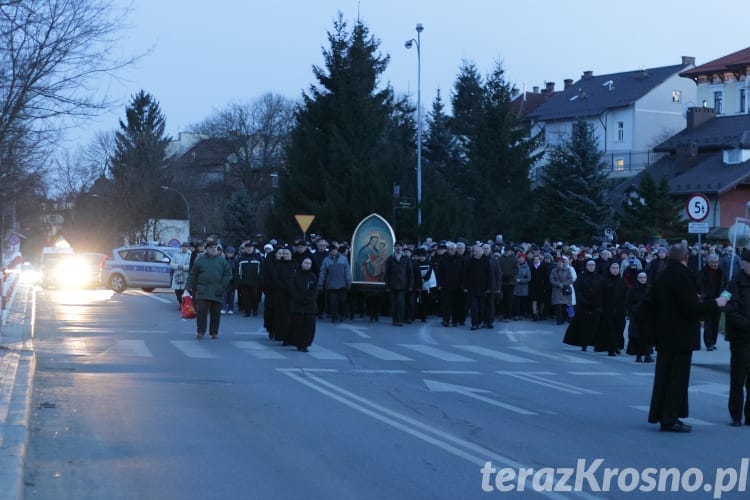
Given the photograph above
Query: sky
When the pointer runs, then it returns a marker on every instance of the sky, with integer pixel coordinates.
(203, 56)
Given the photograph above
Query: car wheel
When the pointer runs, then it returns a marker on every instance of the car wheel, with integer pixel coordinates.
(117, 283)
(147, 290)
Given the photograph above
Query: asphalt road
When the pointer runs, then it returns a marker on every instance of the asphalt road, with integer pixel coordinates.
(128, 405)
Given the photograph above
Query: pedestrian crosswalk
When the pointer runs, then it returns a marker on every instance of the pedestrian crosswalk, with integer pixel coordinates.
(248, 343)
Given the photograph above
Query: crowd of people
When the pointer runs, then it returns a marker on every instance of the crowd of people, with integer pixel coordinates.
(593, 289)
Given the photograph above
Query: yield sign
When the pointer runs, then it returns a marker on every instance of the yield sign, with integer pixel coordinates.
(304, 221)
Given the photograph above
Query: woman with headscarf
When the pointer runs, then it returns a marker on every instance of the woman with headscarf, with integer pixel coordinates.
(638, 344)
(561, 279)
(610, 336)
(585, 323)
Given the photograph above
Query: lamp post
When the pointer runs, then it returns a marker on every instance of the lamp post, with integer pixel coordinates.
(408, 44)
(187, 205)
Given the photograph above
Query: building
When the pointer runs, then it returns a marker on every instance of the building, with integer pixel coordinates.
(630, 112)
(711, 156)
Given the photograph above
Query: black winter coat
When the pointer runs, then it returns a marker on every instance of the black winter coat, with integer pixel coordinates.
(477, 278)
(303, 292)
(678, 310)
(398, 273)
(449, 272)
(738, 310)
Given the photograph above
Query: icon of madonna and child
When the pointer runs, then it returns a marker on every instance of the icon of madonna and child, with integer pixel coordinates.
(373, 240)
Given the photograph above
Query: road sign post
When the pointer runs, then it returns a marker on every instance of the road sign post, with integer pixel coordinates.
(304, 221)
(697, 211)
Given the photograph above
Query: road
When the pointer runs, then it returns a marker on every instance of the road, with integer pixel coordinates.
(128, 405)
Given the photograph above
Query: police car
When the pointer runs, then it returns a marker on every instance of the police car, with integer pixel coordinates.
(139, 266)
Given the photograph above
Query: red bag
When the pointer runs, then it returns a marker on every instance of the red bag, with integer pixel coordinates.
(188, 309)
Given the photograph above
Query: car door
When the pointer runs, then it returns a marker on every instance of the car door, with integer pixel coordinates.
(158, 269)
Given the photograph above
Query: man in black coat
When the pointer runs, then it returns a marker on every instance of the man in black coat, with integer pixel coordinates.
(738, 335)
(449, 272)
(399, 279)
(678, 312)
(477, 284)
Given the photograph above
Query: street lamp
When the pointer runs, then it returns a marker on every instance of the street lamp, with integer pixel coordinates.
(408, 44)
(187, 205)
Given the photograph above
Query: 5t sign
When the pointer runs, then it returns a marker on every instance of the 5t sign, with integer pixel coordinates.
(697, 207)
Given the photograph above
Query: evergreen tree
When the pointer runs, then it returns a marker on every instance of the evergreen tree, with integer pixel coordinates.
(137, 166)
(651, 213)
(572, 204)
(343, 156)
(443, 207)
(500, 162)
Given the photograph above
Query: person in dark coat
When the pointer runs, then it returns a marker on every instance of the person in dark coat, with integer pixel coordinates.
(738, 336)
(282, 274)
(585, 324)
(711, 281)
(303, 292)
(247, 268)
(477, 285)
(208, 280)
(612, 322)
(678, 311)
(561, 280)
(399, 279)
(449, 272)
(539, 288)
(638, 337)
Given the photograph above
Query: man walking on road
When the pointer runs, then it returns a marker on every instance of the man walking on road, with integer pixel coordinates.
(677, 316)
(208, 280)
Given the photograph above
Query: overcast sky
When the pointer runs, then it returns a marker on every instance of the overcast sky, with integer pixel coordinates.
(207, 54)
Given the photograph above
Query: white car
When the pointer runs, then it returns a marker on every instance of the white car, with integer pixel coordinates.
(139, 266)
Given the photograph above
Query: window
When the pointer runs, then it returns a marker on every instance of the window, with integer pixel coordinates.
(620, 131)
(718, 102)
(743, 100)
(676, 96)
(619, 165)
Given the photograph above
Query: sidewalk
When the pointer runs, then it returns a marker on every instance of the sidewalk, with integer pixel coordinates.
(17, 363)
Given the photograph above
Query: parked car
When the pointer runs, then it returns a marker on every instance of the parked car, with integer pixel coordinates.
(139, 266)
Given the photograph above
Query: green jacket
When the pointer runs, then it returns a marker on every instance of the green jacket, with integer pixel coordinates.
(209, 278)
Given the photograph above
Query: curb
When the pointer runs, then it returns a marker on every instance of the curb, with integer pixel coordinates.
(17, 367)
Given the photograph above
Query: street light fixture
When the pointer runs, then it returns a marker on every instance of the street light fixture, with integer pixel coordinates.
(408, 44)
(187, 205)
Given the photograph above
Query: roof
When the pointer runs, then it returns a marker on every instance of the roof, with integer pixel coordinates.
(719, 133)
(527, 102)
(593, 95)
(206, 153)
(739, 60)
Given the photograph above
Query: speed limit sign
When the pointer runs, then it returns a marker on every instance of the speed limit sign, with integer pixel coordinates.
(697, 207)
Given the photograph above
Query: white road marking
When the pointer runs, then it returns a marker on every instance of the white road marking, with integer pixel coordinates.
(136, 348)
(471, 392)
(257, 349)
(461, 448)
(155, 297)
(320, 352)
(354, 329)
(536, 378)
(193, 348)
(598, 374)
(425, 336)
(147, 331)
(490, 353)
(381, 372)
(74, 346)
(557, 356)
(720, 390)
(451, 372)
(437, 353)
(377, 351)
(691, 421)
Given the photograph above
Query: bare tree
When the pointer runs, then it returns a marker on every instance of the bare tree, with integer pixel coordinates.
(257, 134)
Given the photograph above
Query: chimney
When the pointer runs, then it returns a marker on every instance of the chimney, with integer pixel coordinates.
(688, 61)
(699, 116)
(588, 74)
(534, 90)
(549, 87)
(568, 82)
